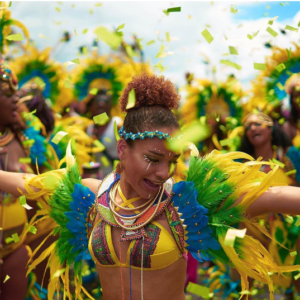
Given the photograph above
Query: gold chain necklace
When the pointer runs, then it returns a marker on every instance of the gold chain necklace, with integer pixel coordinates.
(111, 196)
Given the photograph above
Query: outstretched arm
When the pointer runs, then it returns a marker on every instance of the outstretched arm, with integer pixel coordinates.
(281, 199)
(10, 182)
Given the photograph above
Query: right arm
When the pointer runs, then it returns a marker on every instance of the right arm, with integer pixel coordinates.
(10, 182)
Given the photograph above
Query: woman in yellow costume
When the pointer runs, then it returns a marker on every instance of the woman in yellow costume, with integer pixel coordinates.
(138, 225)
(97, 83)
(216, 104)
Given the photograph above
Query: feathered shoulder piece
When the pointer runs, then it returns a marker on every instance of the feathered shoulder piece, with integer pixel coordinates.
(68, 202)
(212, 200)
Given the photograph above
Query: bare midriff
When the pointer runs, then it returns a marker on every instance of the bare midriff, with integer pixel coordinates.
(167, 283)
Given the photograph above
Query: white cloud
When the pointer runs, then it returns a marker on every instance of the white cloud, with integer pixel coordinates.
(145, 18)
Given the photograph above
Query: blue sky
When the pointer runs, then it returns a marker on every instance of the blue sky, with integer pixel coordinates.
(187, 48)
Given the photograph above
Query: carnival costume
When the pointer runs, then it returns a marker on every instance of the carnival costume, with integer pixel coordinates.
(198, 221)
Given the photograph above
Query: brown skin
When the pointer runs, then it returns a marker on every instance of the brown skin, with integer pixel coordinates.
(167, 283)
(289, 127)
(14, 264)
(260, 136)
(158, 284)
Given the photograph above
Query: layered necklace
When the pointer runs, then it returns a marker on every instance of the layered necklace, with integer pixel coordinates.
(6, 137)
(114, 206)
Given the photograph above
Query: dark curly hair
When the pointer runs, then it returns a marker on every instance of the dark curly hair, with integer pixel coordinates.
(279, 139)
(155, 98)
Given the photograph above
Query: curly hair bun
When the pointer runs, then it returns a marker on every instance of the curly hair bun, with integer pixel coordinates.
(150, 90)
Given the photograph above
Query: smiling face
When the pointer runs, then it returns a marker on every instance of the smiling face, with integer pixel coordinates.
(8, 104)
(147, 165)
(257, 132)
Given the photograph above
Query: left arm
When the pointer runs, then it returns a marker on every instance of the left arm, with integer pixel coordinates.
(282, 199)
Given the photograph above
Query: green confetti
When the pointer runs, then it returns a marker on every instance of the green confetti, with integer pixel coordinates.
(288, 27)
(57, 138)
(84, 51)
(24, 203)
(104, 160)
(165, 12)
(193, 133)
(14, 238)
(272, 20)
(91, 11)
(98, 4)
(129, 51)
(58, 273)
(159, 66)
(272, 32)
(198, 290)
(40, 82)
(233, 51)
(75, 32)
(10, 2)
(231, 64)
(107, 139)
(294, 253)
(84, 30)
(289, 53)
(150, 42)
(298, 221)
(76, 61)
(280, 86)
(299, 24)
(168, 37)
(25, 160)
(280, 67)
(131, 99)
(6, 278)
(31, 229)
(206, 34)
(117, 136)
(120, 27)
(297, 276)
(258, 66)
(174, 9)
(110, 38)
(28, 142)
(15, 37)
(57, 9)
(282, 4)
(268, 7)
(233, 10)
(291, 172)
(101, 119)
(289, 219)
(93, 91)
(115, 162)
(160, 52)
(99, 145)
(250, 37)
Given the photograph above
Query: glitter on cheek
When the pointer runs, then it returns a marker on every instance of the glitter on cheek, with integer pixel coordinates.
(148, 166)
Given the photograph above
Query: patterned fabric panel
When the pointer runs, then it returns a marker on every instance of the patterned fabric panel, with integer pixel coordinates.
(90, 220)
(150, 243)
(176, 227)
(99, 244)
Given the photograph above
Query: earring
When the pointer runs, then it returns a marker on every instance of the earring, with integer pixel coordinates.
(119, 168)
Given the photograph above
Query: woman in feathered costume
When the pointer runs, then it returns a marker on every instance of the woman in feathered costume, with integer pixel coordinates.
(138, 225)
